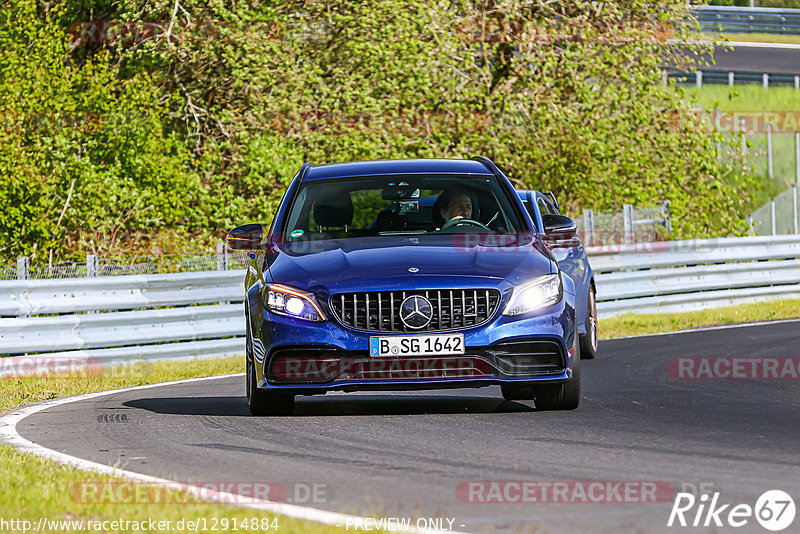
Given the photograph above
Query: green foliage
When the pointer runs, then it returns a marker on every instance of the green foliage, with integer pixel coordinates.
(196, 119)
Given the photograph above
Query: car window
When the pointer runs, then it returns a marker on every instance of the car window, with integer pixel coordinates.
(375, 205)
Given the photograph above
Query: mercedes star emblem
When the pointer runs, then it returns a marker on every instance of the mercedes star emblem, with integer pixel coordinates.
(416, 312)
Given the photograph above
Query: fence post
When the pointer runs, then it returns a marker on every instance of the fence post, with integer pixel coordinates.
(222, 257)
(772, 215)
(699, 78)
(797, 156)
(794, 209)
(588, 226)
(91, 265)
(23, 268)
(769, 150)
(666, 214)
(627, 216)
(719, 144)
(744, 144)
(730, 79)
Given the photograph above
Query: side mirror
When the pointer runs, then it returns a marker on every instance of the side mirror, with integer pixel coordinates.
(559, 228)
(246, 237)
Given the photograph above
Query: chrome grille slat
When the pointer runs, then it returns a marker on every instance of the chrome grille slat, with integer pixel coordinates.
(452, 309)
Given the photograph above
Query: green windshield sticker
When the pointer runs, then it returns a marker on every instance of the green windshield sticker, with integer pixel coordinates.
(296, 233)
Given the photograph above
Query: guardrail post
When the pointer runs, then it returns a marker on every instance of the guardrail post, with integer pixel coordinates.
(588, 226)
(797, 82)
(627, 216)
(769, 150)
(699, 78)
(794, 209)
(772, 215)
(23, 268)
(730, 79)
(765, 80)
(91, 265)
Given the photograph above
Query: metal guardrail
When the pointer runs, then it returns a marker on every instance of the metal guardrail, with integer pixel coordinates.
(676, 276)
(732, 19)
(153, 317)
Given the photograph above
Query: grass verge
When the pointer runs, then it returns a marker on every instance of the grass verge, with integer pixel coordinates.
(751, 37)
(32, 487)
(636, 325)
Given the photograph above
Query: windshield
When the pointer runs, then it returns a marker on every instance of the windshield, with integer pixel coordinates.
(399, 205)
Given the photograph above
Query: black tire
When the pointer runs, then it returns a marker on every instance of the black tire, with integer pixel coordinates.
(563, 396)
(260, 402)
(590, 341)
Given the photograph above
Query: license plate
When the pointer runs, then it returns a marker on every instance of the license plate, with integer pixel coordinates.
(416, 345)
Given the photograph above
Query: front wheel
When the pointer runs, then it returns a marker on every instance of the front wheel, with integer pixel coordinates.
(260, 402)
(563, 396)
(589, 341)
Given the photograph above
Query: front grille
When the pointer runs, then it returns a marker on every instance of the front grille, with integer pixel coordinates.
(379, 311)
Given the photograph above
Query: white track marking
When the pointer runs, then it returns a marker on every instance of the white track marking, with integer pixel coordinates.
(9, 434)
(707, 328)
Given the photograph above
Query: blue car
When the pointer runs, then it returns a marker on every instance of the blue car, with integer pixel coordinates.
(406, 275)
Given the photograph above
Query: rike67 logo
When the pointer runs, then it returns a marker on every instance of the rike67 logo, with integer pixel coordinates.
(774, 510)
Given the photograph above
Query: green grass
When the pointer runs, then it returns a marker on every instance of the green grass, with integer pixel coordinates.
(747, 97)
(754, 98)
(32, 487)
(637, 325)
(751, 37)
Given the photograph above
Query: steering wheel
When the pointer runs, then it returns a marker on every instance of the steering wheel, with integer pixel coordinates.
(471, 222)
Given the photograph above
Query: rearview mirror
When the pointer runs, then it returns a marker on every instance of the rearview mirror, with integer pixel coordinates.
(246, 237)
(401, 191)
(559, 227)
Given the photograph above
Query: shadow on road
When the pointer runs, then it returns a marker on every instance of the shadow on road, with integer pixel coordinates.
(363, 405)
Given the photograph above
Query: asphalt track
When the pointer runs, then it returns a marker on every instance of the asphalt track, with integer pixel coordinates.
(405, 454)
(755, 59)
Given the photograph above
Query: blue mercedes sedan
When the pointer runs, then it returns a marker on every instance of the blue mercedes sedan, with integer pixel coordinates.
(406, 275)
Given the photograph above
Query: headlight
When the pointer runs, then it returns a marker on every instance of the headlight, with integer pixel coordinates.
(536, 294)
(292, 302)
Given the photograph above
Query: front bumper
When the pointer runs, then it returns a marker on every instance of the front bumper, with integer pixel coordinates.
(309, 358)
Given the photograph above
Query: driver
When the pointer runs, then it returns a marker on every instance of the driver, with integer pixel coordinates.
(453, 204)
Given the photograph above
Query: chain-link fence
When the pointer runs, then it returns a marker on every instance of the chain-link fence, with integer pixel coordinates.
(779, 216)
(626, 226)
(25, 269)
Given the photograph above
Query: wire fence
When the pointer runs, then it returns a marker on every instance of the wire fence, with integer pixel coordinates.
(779, 216)
(25, 269)
(629, 225)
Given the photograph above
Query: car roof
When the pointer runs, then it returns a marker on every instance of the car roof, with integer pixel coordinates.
(399, 167)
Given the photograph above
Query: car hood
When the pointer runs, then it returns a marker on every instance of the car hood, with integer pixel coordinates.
(386, 263)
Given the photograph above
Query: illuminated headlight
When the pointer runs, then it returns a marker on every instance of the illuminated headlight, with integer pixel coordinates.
(536, 294)
(292, 302)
